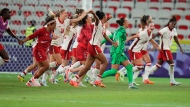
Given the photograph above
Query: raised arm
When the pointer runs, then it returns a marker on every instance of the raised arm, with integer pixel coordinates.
(80, 17)
(176, 40)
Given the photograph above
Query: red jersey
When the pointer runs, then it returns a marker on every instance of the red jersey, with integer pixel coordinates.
(43, 39)
(85, 35)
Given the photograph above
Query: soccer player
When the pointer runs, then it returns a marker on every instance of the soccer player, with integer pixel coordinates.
(95, 51)
(4, 26)
(117, 53)
(166, 34)
(44, 37)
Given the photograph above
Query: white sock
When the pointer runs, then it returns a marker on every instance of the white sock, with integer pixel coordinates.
(44, 77)
(75, 65)
(136, 74)
(171, 73)
(123, 70)
(2, 61)
(89, 74)
(95, 73)
(23, 73)
(153, 69)
(53, 65)
(146, 74)
(61, 69)
(135, 69)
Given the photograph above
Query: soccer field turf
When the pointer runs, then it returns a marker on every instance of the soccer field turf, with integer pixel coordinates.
(14, 93)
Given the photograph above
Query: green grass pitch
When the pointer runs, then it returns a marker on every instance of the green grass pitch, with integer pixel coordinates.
(14, 93)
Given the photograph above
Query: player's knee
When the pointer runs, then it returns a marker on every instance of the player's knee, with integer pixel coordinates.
(140, 67)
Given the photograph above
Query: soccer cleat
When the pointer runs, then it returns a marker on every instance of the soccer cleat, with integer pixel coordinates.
(132, 87)
(81, 84)
(134, 83)
(99, 83)
(29, 84)
(35, 82)
(53, 81)
(92, 84)
(43, 83)
(74, 83)
(87, 79)
(175, 83)
(147, 81)
(21, 78)
(117, 75)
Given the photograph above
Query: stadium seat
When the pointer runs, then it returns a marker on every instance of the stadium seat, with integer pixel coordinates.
(181, 6)
(112, 23)
(138, 24)
(36, 18)
(108, 11)
(165, 1)
(14, 10)
(183, 24)
(23, 29)
(114, 4)
(122, 12)
(188, 34)
(18, 3)
(96, 4)
(57, 4)
(142, 1)
(15, 29)
(151, 12)
(182, 34)
(72, 3)
(42, 20)
(141, 5)
(153, 5)
(111, 29)
(5, 3)
(40, 11)
(131, 23)
(33, 3)
(27, 10)
(181, 1)
(155, 1)
(167, 6)
(137, 13)
(158, 24)
(127, 4)
(163, 14)
(187, 15)
(45, 3)
(177, 13)
(17, 20)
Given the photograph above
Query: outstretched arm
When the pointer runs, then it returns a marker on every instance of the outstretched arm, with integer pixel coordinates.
(132, 37)
(176, 40)
(108, 39)
(13, 35)
(153, 42)
(157, 35)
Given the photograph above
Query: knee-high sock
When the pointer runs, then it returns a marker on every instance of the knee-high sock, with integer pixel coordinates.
(136, 74)
(75, 65)
(95, 73)
(151, 70)
(45, 75)
(60, 69)
(89, 74)
(171, 72)
(109, 72)
(129, 73)
(147, 69)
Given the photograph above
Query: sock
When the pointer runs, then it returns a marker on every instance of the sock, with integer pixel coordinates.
(136, 74)
(53, 64)
(147, 68)
(129, 72)
(99, 77)
(109, 72)
(76, 78)
(123, 70)
(89, 74)
(23, 73)
(75, 65)
(2, 61)
(171, 73)
(154, 68)
(44, 77)
(135, 69)
(95, 72)
(61, 69)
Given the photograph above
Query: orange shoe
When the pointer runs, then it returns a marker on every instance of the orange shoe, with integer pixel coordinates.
(147, 81)
(74, 83)
(99, 83)
(117, 75)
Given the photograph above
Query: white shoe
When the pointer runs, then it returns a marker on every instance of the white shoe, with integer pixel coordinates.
(131, 86)
(175, 83)
(29, 84)
(81, 84)
(35, 82)
(43, 83)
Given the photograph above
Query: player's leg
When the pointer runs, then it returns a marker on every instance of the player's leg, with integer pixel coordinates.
(147, 60)
(4, 58)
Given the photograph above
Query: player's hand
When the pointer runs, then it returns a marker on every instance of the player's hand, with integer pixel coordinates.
(159, 48)
(115, 44)
(181, 50)
(20, 42)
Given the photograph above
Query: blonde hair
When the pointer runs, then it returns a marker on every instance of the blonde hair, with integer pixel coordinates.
(57, 14)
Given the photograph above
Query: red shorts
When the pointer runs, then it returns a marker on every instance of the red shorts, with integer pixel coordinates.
(81, 53)
(39, 55)
(94, 49)
(74, 52)
(54, 49)
(165, 55)
(143, 52)
(1, 47)
(134, 55)
(65, 54)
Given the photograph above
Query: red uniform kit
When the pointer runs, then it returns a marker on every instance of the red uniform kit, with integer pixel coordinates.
(43, 42)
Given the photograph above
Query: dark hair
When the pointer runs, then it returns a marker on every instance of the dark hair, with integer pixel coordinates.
(83, 21)
(79, 11)
(48, 19)
(3, 11)
(120, 21)
(173, 19)
(144, 19)
(100, 14)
